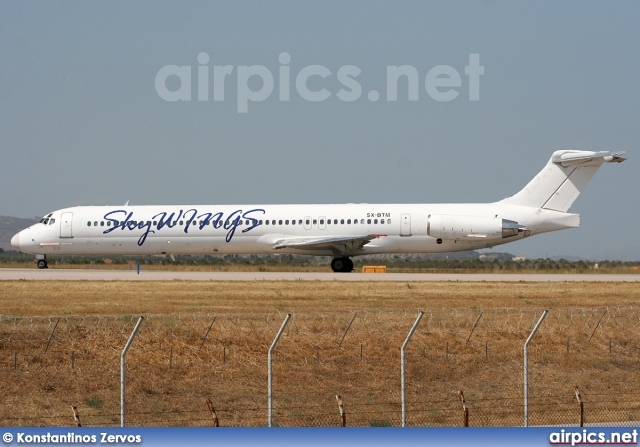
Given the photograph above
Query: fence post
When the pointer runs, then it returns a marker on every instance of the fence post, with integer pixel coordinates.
(598, 325)
(465, 410)
(343, 416)
(122, 376)
(216, 423)
(577, 391)
(475, 325)
(526, 368)
(402, 368)
(76, 416)
(207, 333)
(270, 358)
(345, 332)
(51, 336)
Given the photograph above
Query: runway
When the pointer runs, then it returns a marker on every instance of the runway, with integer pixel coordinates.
(158, 275)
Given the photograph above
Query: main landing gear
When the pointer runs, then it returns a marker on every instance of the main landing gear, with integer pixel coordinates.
(42, 261)
(343, 265)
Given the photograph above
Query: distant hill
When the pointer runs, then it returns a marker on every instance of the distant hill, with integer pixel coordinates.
(9, 226)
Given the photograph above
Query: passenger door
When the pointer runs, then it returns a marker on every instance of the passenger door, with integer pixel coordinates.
(66, 229)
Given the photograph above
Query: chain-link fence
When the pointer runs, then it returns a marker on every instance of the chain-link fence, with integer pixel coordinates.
(179, 361)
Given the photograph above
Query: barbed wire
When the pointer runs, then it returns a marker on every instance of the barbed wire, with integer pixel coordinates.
(190, 327)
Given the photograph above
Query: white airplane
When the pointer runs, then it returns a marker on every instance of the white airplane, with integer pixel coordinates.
(341, 231)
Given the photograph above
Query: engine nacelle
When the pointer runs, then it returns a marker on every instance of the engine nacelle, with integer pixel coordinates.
(449, 226)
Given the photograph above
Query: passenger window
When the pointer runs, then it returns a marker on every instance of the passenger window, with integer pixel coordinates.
(335, 221)
(315, 221)
(349, 221)
(341, 221)
(267, 222)
(307, 221)
(375, 221)
(155, 222)
(321, 221)
(286, 222)
(389, 221)
(181, 223)
(260, 222)
(300, 222)
(102, 223)
(95, 223)
(109, 223)
(88, 224)
(368, 221)
(293, 222)
(280, 222)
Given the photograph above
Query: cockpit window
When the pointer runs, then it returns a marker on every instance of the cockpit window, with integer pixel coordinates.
(52, 221)
(45, 219)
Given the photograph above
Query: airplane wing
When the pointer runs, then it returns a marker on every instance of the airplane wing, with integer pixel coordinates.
(341, 244)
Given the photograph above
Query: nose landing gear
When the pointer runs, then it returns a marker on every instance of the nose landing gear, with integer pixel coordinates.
(42, 261)
(343, 265)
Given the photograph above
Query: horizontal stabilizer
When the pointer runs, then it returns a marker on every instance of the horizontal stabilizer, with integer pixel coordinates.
(567, 158)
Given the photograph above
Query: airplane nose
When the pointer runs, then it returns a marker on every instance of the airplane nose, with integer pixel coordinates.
(15, 241)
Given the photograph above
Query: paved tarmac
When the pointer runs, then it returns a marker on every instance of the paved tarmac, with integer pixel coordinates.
(151, 275)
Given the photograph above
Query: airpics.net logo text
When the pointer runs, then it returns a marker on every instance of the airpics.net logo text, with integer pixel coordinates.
(256, 83)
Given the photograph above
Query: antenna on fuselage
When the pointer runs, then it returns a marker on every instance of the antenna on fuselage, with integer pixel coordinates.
(126, 203)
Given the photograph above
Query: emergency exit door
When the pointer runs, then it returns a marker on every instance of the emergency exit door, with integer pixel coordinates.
(405, 225)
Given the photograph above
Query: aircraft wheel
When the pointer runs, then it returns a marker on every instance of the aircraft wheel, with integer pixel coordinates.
(342, 265)
(42, 264)
(349, 267)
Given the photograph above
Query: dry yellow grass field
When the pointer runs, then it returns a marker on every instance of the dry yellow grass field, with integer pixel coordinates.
(121, 297)
(343, 338)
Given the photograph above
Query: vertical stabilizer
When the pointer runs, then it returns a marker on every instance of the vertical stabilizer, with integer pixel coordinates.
(566, 174)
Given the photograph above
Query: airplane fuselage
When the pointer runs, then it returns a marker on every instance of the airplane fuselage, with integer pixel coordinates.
(256, 229)
(338, 230)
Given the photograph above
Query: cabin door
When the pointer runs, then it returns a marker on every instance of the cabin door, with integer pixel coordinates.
(65, 225)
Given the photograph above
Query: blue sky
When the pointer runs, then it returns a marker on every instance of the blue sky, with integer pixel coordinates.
(81, 121)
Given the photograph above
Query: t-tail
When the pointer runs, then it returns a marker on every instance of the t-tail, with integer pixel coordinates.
(566, 174)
